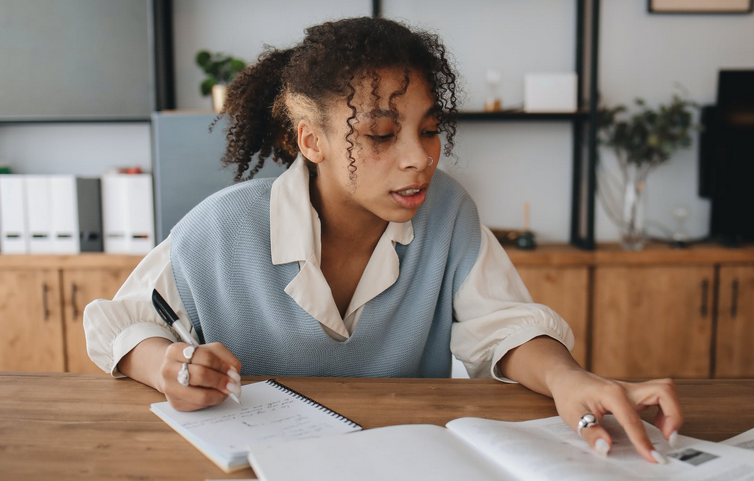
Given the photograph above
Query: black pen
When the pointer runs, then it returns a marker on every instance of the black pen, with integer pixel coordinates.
(170, 317)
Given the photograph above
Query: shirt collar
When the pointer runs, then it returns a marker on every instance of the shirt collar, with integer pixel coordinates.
(294, 223)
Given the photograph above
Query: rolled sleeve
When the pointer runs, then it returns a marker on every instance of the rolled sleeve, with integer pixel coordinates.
(114, 327)
(495, 313)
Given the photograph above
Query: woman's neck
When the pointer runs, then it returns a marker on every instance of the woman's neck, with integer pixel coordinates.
(343, 226)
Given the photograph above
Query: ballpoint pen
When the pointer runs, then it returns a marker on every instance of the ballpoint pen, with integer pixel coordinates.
(170, 317)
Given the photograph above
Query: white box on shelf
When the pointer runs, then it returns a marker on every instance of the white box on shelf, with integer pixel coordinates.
(14, 234)
(128, 213)
(550, 92)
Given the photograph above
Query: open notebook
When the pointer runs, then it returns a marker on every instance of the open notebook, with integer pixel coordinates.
(486, 450)
(270, 413)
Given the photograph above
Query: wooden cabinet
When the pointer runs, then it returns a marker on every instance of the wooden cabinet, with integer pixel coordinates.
(42, 299)
(31, 320)
(566, 290)
(734, 354)
(80, 287)
(653, 322)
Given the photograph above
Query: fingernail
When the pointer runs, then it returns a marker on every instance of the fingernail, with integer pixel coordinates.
(659, 457)
(234, 375)
(232, 387)
(673, 439)
(602, 447)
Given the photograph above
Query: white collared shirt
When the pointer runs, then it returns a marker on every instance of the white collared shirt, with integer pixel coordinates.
(493, 309)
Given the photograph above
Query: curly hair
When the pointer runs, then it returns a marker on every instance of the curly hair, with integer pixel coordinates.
(265, 101)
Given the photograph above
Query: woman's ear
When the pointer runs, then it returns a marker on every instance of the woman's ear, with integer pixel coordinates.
(311, 142)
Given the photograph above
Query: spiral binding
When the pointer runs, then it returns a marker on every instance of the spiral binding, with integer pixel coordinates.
(312, 402)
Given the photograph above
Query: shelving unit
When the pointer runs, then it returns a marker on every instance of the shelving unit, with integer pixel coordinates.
(584, 122)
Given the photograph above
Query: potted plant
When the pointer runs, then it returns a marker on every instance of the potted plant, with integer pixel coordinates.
(641, 141)
(220, 69)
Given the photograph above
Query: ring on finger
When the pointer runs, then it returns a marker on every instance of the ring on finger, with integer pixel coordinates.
(188, 353)
(587, 420)
(183, 374)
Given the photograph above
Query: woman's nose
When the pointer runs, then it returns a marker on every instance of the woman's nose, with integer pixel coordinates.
(417, 159)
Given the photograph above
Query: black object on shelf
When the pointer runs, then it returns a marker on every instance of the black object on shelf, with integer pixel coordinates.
(726, 151)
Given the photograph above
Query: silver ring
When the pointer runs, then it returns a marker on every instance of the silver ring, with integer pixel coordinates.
(587, 420)
(431, 161)
(183, 374)
(188, 353)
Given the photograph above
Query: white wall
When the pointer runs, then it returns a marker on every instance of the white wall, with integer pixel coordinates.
(77, 148)
(241, 28)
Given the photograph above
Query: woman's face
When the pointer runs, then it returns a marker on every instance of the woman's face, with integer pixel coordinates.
(392, 154)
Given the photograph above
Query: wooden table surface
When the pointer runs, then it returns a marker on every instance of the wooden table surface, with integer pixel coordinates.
(90, 426)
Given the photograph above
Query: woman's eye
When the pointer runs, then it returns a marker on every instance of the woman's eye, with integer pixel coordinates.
(430, 133)
(380, 138)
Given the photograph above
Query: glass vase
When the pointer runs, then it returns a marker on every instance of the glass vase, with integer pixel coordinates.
(632, 232)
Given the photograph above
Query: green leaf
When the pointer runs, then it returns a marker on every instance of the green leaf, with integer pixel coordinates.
(202, 58)
(206, 86)
(237, 65)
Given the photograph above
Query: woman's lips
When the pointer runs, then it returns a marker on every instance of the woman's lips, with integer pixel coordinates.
(410, 201)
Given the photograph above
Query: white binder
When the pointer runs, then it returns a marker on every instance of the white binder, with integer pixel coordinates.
(38, 214)
(65, 215)
(52, 214)
(14, 235)
(128, 213)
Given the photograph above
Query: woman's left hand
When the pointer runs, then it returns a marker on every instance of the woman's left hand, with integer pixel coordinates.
(578, 392)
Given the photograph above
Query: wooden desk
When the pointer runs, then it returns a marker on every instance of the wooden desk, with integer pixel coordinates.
(90, 426)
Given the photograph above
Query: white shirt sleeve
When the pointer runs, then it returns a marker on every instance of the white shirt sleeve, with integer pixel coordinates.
(114, 327)
(495, 313)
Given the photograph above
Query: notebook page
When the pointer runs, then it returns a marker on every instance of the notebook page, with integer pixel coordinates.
(397, 453)
(267, 414)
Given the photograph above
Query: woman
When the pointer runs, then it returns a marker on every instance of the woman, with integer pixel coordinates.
(361, 259)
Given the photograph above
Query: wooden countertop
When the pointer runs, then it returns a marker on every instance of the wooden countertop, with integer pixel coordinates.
(90, 426)
(548, 255)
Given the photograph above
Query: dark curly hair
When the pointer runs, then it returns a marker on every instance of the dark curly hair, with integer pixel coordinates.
(265, 101)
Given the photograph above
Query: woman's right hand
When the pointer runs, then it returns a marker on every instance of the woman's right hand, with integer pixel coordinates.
(213, 375)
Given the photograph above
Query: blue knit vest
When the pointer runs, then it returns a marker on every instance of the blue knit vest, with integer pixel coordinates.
(233, 294)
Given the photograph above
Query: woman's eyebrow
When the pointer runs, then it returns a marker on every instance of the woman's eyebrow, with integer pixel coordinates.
(389, 114)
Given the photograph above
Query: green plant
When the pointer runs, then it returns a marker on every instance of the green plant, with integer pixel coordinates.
(648, 137)
(641, 142)
(221, 69)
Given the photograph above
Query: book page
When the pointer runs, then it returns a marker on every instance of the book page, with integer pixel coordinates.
(397, 453)
(548, 449)
(744, 440)
(267, 414)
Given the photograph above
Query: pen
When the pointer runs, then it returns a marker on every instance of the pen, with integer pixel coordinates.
(169, 316)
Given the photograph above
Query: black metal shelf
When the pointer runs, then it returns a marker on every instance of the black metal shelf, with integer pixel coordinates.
(519, 116)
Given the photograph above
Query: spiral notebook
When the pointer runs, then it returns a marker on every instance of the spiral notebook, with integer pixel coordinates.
(270, 413)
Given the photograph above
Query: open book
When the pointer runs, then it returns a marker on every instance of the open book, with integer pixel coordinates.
(270, 412)
(485, 450)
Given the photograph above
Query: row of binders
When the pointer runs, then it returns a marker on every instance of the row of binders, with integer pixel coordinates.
(65, 214)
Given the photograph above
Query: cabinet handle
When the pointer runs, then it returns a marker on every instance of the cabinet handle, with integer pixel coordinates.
(45, 308)
(74, 290)
(734, 298)
(705, 288)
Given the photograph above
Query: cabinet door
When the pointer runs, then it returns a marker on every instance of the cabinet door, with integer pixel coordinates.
(652, 322)
(30, 321)
(565, 290)
(735, 323)
(80, 287)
